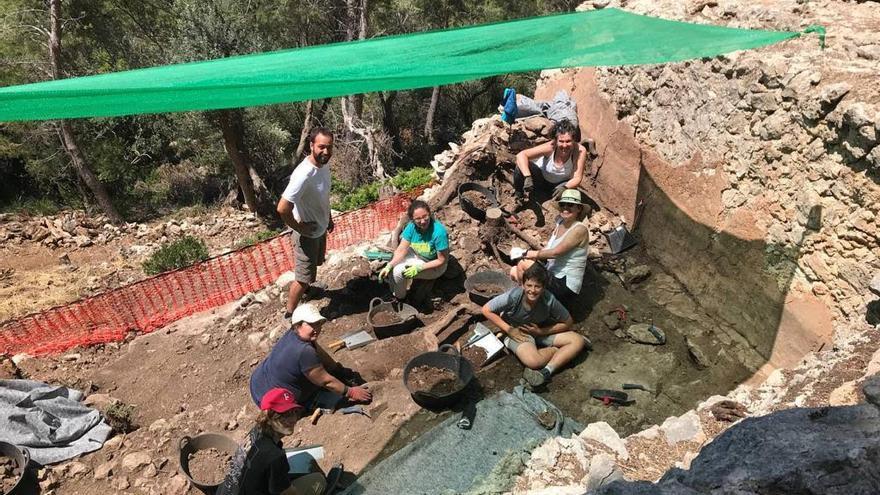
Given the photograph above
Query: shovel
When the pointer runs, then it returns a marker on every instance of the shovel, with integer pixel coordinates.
(359, 338)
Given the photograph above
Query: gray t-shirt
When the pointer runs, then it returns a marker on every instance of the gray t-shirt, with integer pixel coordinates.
(512, 309)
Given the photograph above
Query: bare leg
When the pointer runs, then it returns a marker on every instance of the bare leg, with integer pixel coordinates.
(534, 358)
(297, 289)
(568, 345)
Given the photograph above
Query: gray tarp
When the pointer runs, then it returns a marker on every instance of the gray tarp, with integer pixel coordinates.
(49, 420)
(450, 460)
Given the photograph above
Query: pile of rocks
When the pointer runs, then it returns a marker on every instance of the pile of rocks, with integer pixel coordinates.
(68, 229)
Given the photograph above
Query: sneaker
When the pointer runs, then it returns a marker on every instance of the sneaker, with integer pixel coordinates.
(534, 378)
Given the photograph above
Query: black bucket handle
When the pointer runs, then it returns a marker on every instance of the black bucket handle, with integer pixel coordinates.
(373, 303)
(447, 347)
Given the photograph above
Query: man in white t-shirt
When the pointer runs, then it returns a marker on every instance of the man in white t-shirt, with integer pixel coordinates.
(305, 207)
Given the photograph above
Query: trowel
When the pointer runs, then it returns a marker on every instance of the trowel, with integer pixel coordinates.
(357, 339)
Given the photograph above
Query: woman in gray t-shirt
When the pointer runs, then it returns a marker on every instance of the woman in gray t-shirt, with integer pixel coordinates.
(537, 325)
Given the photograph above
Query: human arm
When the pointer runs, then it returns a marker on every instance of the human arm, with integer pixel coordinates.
(525, 156)
(285, 211)
(491, 312)
(558, 327)
(442, 256)
(320, 377)
(569, 242)
(580, 166)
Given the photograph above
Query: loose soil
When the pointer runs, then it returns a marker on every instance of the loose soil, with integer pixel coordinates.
(477, 199)
(438, 381)
(9, 474)
(488, 290)
(209, 466)
(476, 355)
(384, 318)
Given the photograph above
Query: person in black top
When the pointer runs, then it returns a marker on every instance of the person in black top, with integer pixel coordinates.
(260, 466)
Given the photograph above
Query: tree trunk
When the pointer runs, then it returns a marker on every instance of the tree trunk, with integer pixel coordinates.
(68, 139)
(356, 28)
(304, 135)
(389, 123)
(429, 118)
(252, 187)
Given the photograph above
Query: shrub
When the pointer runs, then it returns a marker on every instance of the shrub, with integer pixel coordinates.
(177, 254)
(120, 417)
(352, 199)
(412, 178)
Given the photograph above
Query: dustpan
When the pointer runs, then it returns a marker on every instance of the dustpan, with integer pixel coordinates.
(620, 239)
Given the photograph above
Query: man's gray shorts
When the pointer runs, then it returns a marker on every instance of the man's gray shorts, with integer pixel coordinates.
(545, 341)
(309, 254)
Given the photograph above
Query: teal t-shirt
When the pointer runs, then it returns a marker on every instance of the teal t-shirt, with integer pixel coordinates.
(427, 244)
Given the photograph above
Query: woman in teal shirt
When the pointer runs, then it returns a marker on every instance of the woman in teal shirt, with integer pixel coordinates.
(423, 251)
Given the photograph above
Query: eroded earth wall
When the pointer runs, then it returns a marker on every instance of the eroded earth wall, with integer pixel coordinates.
(752, 177)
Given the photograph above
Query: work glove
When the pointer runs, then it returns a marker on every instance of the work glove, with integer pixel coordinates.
(558, 190)
(528, 185)
(359, 394)
(411, 271)
(383, 273)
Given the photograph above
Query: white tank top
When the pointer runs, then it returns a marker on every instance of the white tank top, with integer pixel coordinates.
(572, 264)
(552, 172)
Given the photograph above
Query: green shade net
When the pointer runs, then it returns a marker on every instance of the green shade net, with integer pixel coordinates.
(599, 38)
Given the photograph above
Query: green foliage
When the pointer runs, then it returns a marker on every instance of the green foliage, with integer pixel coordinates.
(151, 164)
(256, 238)
(352, 199)
(120, 417)
(358, 197)
(177, 254)
(412, 178)
(32, 206)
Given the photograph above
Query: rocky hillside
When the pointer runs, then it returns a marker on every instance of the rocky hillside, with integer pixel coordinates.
(763, 169)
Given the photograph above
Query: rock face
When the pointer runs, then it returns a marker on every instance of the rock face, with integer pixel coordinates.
(809, 451)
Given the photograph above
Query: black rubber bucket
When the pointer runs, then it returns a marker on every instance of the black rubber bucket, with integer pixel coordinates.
(189, 446)
(440, 359)
(486, 276)
(471, 209)
(408, 318)
(21, 457)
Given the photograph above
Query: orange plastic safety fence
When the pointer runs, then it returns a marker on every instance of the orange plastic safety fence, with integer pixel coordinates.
(152, 303)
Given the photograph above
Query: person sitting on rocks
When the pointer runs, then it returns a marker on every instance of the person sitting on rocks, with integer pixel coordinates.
(259, 466)
(566, 251)
(423, 252)
(298, 364)
(551, 167)
(537, 325)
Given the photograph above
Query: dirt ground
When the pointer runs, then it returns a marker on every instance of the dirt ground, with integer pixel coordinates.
(34, 277)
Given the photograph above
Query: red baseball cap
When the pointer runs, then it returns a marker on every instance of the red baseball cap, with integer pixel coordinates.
(279, 400)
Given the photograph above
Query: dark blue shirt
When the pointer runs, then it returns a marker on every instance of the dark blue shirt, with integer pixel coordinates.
(286, 367)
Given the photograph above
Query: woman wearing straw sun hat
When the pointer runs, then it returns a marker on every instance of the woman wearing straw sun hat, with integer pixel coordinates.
(566, 251)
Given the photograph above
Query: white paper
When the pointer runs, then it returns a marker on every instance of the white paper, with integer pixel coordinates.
(517, 253)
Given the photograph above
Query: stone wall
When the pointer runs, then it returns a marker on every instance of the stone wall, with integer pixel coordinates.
(754, 176)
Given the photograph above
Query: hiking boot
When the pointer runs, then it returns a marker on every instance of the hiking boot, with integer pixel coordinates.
(535, 378)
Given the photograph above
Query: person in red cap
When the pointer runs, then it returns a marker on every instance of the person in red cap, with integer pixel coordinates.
(260, 466)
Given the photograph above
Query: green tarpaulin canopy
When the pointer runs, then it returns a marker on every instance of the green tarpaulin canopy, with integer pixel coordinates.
(599, 38)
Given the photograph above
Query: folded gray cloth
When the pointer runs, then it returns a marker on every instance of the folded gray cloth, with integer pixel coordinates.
(562, 107)
(49, 421)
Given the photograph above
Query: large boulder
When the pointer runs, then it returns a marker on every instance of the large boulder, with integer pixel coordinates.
(804, 451)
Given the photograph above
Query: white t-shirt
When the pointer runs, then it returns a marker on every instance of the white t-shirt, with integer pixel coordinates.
(309, 192)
